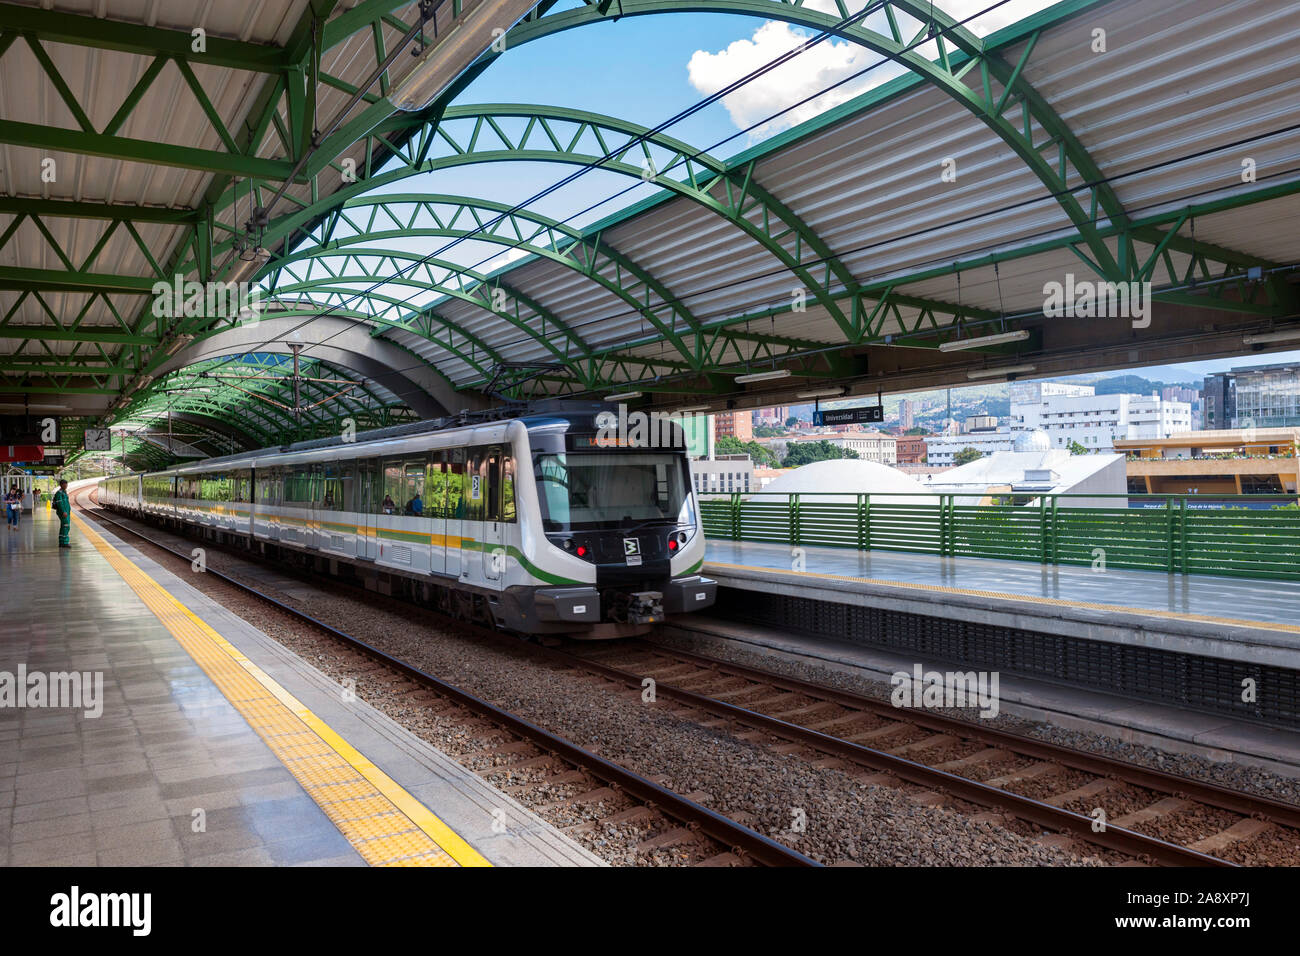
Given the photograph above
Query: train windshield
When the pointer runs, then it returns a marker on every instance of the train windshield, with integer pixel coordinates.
(611, 490)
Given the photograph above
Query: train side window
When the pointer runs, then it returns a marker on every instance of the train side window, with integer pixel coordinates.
(492, 491)
(391, 501)
(507, 486)
(435, 485)
(347, 500)
(297, 486)
(330, 488)
(475, 489)
(456, 491)
(413, 489)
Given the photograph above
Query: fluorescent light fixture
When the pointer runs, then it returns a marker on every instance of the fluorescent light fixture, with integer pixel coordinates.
(449, 55)
(622, 397)
(245, 268)
(821, 393)
(1003, 370)
(1266, 337)
(179, 343)
(762, 376)
(692, 408)
(958, 345)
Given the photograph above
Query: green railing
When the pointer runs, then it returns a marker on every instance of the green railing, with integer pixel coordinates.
(1176, 537)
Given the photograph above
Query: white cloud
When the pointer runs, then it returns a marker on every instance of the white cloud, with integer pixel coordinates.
(801, 76)
(824, 64)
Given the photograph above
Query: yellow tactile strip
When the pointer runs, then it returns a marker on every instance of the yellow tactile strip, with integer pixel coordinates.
(1027, 598)
(385, 824)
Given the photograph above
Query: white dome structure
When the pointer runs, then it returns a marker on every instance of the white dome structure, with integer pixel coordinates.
(816, 481)
(1035, 440)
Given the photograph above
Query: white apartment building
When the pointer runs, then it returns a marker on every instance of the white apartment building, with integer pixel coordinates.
(941, 449)
(1071, 413)
(723, 475)
(1096, 421)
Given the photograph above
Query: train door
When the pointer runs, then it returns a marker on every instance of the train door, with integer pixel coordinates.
(367, 506)
(435, 492)
(415, 514)
(455, 509)
(490, 478)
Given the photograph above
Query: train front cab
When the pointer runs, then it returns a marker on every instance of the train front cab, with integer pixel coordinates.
(618, 523)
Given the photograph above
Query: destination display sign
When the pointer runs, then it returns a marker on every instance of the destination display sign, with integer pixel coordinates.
(849, 416)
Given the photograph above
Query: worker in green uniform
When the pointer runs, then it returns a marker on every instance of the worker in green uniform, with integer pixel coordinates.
(63, 509)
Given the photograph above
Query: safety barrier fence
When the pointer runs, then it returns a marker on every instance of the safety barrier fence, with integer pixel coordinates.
(1255, 536)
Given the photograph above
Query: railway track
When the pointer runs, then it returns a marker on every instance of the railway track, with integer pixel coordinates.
(609, 793)
(939, 755)
(842, 725)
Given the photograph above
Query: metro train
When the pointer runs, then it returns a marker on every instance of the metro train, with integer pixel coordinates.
(546, 523)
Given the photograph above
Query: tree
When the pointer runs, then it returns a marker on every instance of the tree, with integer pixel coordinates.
(791, 421)
(806, 452)
(918, 431)
(1076, 449)
(966, 456)
(730, 445)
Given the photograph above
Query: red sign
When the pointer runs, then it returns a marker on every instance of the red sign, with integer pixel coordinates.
(22, 452)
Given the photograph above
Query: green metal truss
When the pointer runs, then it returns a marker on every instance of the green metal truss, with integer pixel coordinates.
(974, 72)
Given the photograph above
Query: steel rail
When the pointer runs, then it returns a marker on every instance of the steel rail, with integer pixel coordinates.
(1284, 814)
(1111, 837)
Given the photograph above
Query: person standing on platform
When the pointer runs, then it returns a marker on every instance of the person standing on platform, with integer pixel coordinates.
(13, 507)
(63, 509)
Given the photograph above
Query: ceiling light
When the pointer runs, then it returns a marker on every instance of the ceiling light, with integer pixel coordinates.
(178, 343)
(762, 376)
(956, 345)
(1266, 337)
(691, 408)
(1003, 370)
(450, 55)
(622, 397)
(821, 393)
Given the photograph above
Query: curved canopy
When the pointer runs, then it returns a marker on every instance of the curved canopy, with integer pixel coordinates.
(938, 205)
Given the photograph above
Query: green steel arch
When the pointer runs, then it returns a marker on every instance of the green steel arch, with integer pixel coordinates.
(189, 391)
(732, 194)
(526, 231)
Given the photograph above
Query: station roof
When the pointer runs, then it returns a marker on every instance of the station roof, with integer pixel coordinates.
(837, 252)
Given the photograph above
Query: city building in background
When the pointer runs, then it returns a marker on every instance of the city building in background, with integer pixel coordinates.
(738, 425)
(907, 414)
(942, 449)
(1222, 461)
(910, 450)
(1097, 421)
(1266, 396)
(979, 423)
(870, 446)
(723, 475)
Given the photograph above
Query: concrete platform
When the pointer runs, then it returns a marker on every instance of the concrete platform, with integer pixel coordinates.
(172, 771)
(1236, 619)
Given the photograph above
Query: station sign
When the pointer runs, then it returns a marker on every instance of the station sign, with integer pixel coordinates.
(849, 416)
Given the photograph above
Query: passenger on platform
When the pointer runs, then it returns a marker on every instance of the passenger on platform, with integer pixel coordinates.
(389, 505)
(13, 507)
(63, 508)
(415, 506)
